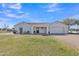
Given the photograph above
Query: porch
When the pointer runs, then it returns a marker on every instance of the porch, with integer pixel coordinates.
(39, 30)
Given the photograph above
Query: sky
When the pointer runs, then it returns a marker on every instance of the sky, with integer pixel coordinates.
(13, 13)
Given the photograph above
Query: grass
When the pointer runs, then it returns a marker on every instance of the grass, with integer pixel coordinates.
(3, 31)
(34, 45)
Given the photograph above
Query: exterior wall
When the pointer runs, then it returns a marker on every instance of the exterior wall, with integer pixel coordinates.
(53, 28)
(58, 29)
(41, 31)
(25, 27)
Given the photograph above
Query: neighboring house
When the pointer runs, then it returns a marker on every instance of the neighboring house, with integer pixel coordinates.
(41, 28)
(74, 28)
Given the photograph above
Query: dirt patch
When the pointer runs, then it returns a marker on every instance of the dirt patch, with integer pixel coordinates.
(70, 39)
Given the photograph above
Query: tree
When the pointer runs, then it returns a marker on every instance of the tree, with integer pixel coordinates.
(5, 27)
(69, 22)
(77, 22)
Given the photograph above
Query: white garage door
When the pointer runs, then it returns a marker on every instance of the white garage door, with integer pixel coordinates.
(57, 30)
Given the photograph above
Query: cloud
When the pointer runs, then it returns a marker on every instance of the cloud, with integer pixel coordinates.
(13, 10)
(5, 11)
(52, 7)
(16, 6)
(11, 7)
(3, 5)
(74, 16)
(5, 21)
(19, 11)
(11, 15)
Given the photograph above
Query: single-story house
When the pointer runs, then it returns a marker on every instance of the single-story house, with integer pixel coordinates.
(41, 28)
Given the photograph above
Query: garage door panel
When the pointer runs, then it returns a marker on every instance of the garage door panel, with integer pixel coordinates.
(57, 30)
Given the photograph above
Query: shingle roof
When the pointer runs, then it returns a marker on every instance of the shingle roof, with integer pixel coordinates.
(31, 23)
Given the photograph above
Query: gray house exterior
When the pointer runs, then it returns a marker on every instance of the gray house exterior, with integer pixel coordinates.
(41, 28)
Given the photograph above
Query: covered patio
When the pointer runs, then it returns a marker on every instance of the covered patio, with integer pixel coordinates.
(40, 30)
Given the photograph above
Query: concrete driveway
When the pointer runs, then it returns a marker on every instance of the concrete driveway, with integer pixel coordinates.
(70, 39)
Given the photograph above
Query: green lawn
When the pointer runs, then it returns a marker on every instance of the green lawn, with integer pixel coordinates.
(36, 45)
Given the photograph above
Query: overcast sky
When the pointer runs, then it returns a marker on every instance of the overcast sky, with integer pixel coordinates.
(12, 13)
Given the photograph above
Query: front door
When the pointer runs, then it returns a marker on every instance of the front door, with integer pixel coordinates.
(37, 31)
(21, 30)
